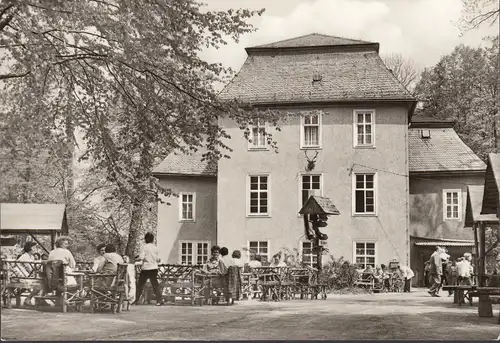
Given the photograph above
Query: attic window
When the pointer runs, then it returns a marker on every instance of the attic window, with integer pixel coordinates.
(425, 133)
(317, 77)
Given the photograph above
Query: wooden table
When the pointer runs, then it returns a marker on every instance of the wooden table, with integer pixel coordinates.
(461, 293)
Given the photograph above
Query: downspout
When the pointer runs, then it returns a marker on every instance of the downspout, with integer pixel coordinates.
(407, 193)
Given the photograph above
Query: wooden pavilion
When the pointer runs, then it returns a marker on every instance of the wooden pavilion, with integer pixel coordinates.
(33, 220)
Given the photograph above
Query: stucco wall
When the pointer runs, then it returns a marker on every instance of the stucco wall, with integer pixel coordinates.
(426, 206)
(171, 230)
(336, 159)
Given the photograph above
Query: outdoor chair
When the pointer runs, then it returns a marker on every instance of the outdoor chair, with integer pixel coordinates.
(181, 283)
(20, 278)
(107, 291)
(56, 288)
(269, 282)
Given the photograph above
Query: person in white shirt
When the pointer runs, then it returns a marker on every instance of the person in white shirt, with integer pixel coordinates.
(226, 261)
(61, 253)
(150, 259)
(256, 262)
(463, 269)
(237, 259)
(99, 260)
(407, 275)
(25, 269)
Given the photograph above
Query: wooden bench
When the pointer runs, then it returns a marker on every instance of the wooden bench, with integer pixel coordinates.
(462, 293)
(365, 280)
(19, 279)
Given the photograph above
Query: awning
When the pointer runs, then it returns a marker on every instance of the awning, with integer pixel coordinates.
(32, 218)
(446, 243)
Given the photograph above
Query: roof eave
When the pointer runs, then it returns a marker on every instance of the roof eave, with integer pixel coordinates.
(469, 172)
(327, 102)
(340, 48)
(164, 174)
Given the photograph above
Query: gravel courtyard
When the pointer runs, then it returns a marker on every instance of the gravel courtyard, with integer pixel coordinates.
(378, 316)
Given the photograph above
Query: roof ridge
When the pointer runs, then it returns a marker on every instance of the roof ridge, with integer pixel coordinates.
(359, 41)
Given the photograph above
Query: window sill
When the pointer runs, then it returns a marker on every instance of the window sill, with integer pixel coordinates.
(452, 219)
(365, 215)
(364, 147)
(258, 149)
(311, 148)
(187, 221)
(258, 215)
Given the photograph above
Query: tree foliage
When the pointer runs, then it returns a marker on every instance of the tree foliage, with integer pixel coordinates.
(403, 69)
(464, 86)
(479, 12)
(128, 74)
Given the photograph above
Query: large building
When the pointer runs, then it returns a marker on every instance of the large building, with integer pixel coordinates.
(343, 107)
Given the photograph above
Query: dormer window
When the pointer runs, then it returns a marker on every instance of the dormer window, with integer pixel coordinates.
(426, 133)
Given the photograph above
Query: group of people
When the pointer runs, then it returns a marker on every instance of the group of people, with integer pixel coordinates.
(382, 276)
(442, 270)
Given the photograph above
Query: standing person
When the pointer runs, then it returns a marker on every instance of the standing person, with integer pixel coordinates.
(226, 261)
(237, 259)
(99, 260)
(435, 271)
(407, 276)
(453, 274)
(150, 259)
(445, 258)
(427, 269)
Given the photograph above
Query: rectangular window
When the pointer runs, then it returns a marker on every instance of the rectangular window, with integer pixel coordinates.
(257, 137)
(187, 206)
(364, 254)
(309, 258)
(259, 195)
(194, 252)
(364, 128)
(452, 201)
(310, 185)
(259, 248)
(364, 194)
(310, 131)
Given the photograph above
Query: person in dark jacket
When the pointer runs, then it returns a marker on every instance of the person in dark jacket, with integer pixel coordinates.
(435, 271)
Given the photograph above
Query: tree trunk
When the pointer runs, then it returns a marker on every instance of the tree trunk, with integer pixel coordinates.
(135, 230)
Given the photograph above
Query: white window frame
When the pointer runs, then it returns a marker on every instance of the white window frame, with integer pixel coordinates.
(181, 219)
(248, 191)
(320, 131)
(251, 145)
(365, 241)
(313, 255)
(355, 128)
(261, 240)
(445, 205)
(375, 192)
(194, 243)
(299, 187)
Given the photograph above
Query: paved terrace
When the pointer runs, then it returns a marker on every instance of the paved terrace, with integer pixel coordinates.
(379, 316)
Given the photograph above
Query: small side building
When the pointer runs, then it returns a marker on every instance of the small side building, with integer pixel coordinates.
(441, 166)
(186, 226)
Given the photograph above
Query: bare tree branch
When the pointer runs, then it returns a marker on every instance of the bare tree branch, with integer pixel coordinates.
(403, 69)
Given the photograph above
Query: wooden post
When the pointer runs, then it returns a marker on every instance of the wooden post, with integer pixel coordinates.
(52, 240)
(482, 256)
(319, 254)
(476, 245)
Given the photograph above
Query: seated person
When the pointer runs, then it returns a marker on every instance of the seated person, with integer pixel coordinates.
(212, 265)
(378, 276)
(367, 273)
(386, 275)
(237, 259)
(255, 261)
(99, 260)
(277, 261)
(61, 253)
(225, 261)
(110, 261)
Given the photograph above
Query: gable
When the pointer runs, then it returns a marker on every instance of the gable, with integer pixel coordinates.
(491, 183)
(313, 39)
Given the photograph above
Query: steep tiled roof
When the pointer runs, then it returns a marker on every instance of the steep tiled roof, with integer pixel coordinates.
(474, 205)
(313, 39)
(181, 164)
(278, 76)
(491, 197)
(443, 151)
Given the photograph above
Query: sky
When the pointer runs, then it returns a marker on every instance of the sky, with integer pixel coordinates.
(422, 30)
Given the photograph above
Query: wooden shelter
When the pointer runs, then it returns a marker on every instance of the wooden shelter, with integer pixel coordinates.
(316, 211)
(34, 219)
(479, 223)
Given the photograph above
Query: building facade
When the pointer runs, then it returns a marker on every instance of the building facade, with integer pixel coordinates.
(441, 168)
(346, 111)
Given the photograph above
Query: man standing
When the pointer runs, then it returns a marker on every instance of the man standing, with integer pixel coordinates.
(436, 270)
(407, 275)
(150, 259)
